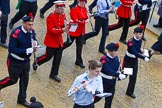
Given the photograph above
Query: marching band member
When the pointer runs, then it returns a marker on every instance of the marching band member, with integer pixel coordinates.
(22, 41)
(53, 40)
(156, 47)
(92, 83)
(110, 71)
(78, 16)
(124, 13)
(134, 52)
(142, 12)
(104, 7)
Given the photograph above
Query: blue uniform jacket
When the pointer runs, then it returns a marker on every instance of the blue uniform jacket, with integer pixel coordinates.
(110, 67)
(19, 42)
(134, 47)
(146, 2)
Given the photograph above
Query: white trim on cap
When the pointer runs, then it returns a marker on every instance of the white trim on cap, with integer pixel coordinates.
(59, 2)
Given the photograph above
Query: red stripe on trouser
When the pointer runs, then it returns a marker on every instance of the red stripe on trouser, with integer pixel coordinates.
(123, 64)
(6, 80)
(114, 25)
(41, 58)
(8, 62)
(135, 20)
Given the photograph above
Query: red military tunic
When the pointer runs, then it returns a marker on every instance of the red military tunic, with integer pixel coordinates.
(124, 10)
(78, 16)
(55, 23)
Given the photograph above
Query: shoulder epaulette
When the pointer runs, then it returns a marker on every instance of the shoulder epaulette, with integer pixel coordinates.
(15, 34)
(103, 59)
(130, 42)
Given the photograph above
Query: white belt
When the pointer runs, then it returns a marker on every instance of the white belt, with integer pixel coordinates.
(107, 76)
(130, 55)
(17, 57)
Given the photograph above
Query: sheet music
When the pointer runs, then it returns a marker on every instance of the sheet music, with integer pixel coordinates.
(101, 95)
(146, 53)
(144, 7)
(73, 27)
(128, 71)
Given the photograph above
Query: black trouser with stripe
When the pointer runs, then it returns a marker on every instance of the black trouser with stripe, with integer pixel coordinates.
(140, 15)
(51, 52)
(25, 9)
(17, 70)
(121, 22)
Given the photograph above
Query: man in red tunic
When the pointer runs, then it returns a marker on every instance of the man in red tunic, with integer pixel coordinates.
(53, 40)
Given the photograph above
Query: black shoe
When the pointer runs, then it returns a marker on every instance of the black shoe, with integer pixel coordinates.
(11, 25)
(143, 38)
(35, 65)
(157, 26)
(80, 65)
(56, 78)
(123, 41)
(131, 95)
(25, 103)
(41, 15)
(103, 52)
(4, 45)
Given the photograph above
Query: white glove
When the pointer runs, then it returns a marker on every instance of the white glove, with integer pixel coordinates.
(29, 51)
(146, 59)
(122, 76)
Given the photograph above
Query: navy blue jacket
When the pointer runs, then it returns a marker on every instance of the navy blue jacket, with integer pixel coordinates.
(110, 67)
(134, 47)
(19, 42)
(5, 6)
(146, 2)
